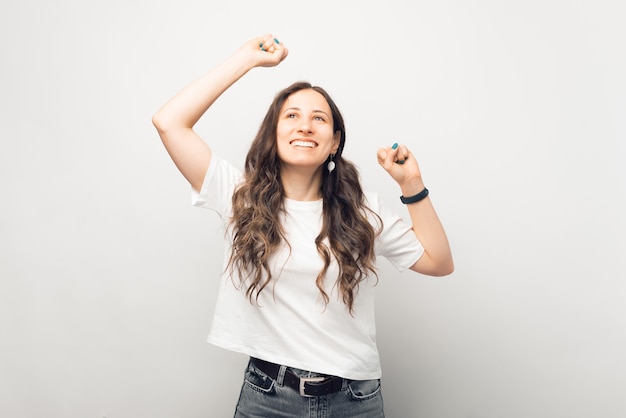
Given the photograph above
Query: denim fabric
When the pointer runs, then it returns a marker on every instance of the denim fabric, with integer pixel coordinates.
(264, 397)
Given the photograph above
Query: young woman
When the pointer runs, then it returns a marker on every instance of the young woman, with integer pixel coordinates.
(302, 241)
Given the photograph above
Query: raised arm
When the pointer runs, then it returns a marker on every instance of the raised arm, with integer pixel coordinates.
(176, 119)
(437, 258)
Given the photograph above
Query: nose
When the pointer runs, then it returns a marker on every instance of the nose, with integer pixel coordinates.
(305, 126)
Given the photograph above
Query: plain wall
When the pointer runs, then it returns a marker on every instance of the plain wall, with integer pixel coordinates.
(515, 111)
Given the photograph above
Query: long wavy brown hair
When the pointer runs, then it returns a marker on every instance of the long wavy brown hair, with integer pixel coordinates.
(346, 235)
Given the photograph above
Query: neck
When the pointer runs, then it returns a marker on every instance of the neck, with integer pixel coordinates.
(301, 185)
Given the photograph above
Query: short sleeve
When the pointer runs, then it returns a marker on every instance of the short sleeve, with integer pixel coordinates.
(218, 186)
(397, 241)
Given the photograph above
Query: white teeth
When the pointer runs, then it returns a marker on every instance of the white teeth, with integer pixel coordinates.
(299, 143)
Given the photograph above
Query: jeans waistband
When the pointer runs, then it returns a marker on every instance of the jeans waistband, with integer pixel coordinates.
(306, 386)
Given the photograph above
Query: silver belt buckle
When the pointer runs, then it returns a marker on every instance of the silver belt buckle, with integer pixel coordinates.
(304, 380)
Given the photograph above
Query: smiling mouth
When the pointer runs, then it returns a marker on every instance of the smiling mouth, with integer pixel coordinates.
(303, 143)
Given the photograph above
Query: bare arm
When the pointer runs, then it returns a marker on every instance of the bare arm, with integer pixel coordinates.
(437, 258)
(176, 119)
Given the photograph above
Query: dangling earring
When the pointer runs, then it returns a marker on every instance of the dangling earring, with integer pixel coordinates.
(331, 164)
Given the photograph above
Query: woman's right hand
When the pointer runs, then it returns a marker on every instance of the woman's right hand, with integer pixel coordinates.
(265, 51)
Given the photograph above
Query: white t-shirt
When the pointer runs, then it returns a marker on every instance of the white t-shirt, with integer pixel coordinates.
(291, 325)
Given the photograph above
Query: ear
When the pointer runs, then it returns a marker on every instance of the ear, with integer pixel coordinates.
(336, 141)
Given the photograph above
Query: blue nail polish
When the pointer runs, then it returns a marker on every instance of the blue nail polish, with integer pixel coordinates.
(261, 45)
(395, 146)
(276, 40)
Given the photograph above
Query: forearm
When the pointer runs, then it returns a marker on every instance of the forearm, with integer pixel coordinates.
(185, 108)
(437, 258)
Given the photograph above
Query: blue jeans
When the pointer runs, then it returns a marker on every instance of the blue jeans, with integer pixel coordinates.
(263, 397)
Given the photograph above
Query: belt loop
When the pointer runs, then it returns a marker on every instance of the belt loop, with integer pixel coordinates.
(281, 375)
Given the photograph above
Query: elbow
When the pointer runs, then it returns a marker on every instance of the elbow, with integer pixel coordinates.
(444, 263)
(164, 121)
(166, 125)
(445, 270)
(158, 122)
(431, 267)
(445, 267)
(163, 125)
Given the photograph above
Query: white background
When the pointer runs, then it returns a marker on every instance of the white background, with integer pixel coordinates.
(515, 110)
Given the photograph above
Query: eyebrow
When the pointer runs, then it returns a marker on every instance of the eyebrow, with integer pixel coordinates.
(314, 111)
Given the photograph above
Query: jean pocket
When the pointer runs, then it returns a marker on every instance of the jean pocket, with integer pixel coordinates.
(364, 389)
(258, 380)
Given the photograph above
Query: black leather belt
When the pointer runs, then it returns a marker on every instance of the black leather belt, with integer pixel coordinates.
(306, 386)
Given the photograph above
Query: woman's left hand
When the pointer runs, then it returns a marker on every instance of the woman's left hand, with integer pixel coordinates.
(402, 166)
